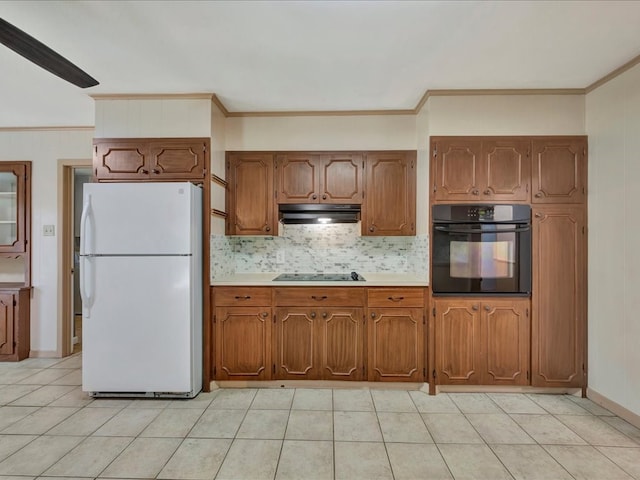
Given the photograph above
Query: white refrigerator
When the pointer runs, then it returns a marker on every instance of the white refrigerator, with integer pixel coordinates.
(141, 289)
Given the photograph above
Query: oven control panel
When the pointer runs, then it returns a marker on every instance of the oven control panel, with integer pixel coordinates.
(481, 213)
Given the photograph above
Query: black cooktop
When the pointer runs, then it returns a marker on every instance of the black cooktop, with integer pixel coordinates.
(319, 277)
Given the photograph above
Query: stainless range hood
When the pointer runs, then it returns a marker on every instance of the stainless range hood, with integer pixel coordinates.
(305, 213)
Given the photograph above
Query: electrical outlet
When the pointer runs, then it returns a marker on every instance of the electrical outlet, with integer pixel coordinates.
(49, 230)
(280, 257)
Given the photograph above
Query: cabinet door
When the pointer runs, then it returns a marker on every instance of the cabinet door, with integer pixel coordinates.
(13, 205)
(6, 324)
(342, 178)
(505, 341)
(390, 194)
(456, 169)
(396, 344)
(298, 178)
(457, 345)
(120, 159)
(250, 204)
(559, 170)
(297, 344)
(558, 296)
(506, 166)
(342, 354)
(178, 159)
(243, 343)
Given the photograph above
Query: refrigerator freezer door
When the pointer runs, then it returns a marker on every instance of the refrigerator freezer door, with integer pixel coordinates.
(140, 336)
(139, 218)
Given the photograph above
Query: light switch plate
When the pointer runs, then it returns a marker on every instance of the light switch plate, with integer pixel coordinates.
(49, 230)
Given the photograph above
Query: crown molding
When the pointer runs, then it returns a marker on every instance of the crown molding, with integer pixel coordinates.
(152, 96)
(43, 129)
(321, 113)
(618, 71)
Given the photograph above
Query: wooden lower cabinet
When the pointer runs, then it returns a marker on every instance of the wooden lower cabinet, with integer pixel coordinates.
(15, 341)
(482, 342)
(243, 343)
(559, 296)
(319, 343)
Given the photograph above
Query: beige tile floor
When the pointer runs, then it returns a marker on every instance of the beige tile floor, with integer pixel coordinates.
(50, 429)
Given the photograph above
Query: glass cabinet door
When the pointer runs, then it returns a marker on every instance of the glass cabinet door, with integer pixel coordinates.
(12, 208)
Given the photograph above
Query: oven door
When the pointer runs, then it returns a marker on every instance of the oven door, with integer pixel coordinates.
(481, 258)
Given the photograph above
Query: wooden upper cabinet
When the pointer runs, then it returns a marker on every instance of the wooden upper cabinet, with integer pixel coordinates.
(342, 178)
(15, 201)
(319, 178)
(150, 159)
(298, 178)
(390, 197)
(506, 167)
(456, 168)
(559, 170)
(179, 159)
(250, 197)
(474, 169)
(558, 296)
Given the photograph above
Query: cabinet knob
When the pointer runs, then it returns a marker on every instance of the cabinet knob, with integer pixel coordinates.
(324, 197)
(487, 192)
(245, 297)
(371, 229)
(324, 314)
(396, 299)
(314, 196)
(319, 298)
(264, 314)
(474, 307)
(267, 229)
(373, 315)
(144, 172)
(487, 308)
(538, 215)
(312, 314)
(538, 195)
(155, 170)
(475, 191)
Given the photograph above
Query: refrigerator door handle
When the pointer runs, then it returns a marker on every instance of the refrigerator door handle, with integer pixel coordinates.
(84, 261)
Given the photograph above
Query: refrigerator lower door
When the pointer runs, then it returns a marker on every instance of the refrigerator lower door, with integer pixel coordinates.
(141, 337)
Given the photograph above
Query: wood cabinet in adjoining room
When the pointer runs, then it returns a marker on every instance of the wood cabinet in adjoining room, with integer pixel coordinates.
(322, 177)
(396, 334)
(558, 296)
(15, 201)
(390, 194)
(242, 330)
(250, 196)
(14, 322)
(559, 172)
(481, 341)
(480, 169)
(150, 159)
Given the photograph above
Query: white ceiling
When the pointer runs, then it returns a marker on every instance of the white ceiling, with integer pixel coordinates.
(308, 55)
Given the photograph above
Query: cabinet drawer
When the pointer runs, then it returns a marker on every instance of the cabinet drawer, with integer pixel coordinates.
(240, 296)
(311, 296)
(396, 297)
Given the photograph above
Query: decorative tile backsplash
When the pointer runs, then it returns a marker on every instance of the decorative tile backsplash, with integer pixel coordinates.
(335, 248)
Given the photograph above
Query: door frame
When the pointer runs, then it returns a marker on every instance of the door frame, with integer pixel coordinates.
(65, 248)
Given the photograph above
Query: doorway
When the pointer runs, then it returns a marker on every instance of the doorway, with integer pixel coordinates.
(74, 176)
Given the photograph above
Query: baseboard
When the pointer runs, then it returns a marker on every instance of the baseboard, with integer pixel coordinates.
(619, 410)
(504, 389)
(44, 354)
(315, 384)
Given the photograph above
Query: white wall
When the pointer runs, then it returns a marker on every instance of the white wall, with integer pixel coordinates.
(44, 149)
(506, 115)
(613, 126)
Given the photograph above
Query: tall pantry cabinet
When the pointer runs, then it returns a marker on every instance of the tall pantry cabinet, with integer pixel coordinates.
(559, 239)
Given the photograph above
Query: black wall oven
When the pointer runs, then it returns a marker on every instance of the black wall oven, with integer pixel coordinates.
(481, 249)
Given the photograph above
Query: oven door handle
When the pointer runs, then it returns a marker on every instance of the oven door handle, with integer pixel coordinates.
(454, 230)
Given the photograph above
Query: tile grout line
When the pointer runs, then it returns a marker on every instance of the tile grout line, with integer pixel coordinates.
(384, 443)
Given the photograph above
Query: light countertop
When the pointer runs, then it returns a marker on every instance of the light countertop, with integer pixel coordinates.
(371, 280)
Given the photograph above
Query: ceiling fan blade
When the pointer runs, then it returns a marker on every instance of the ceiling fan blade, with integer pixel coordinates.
(37, 52)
